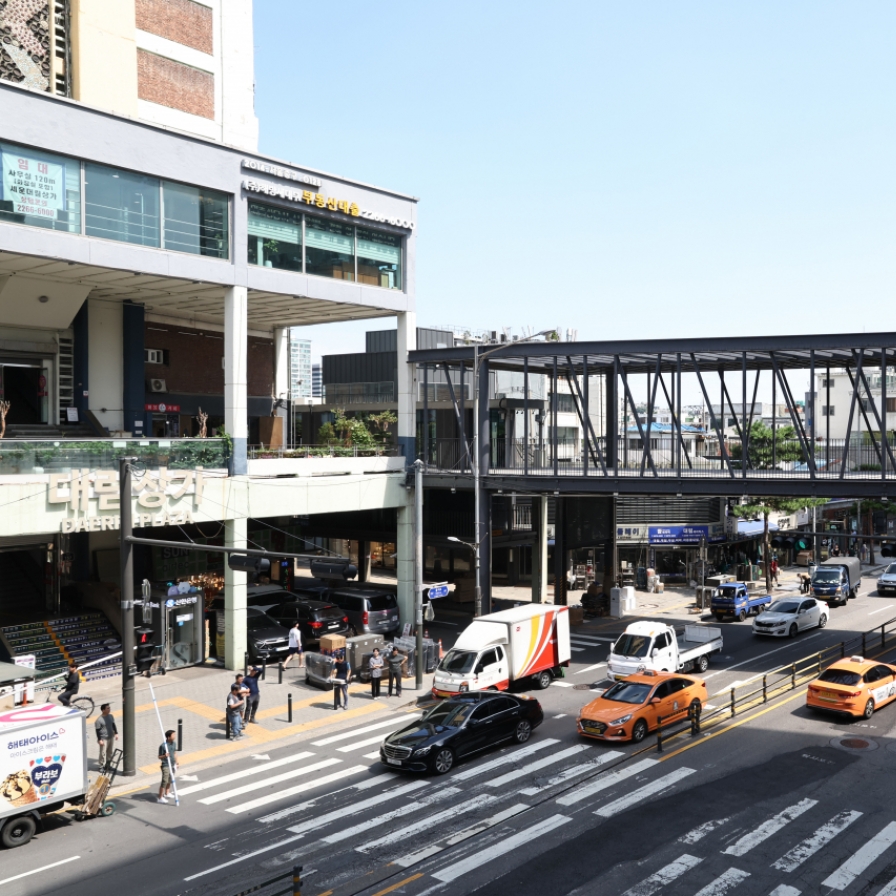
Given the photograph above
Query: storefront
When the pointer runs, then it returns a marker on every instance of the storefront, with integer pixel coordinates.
(680, 553)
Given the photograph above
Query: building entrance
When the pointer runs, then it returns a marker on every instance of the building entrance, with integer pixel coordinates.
(25, 388)
(23, 596)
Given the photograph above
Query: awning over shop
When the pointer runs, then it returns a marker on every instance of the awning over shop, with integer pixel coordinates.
(753, 528)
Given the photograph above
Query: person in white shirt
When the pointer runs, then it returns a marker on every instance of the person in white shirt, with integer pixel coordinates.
(295, 646)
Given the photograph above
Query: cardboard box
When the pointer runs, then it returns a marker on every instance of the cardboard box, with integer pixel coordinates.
(329, 643)
(576, 615)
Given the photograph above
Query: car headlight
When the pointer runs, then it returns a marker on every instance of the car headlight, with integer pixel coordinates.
(621, 720)
(422, 751)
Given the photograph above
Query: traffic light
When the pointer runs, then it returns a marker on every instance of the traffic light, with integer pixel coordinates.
(333, 569)
(245, 563)
(145, 648)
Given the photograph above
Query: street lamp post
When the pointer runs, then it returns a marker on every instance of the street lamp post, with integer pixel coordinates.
(477, 360)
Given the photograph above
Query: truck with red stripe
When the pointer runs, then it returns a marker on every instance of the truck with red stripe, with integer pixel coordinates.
(526, 642)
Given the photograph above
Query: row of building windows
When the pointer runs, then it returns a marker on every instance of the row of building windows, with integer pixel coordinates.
(292, 241)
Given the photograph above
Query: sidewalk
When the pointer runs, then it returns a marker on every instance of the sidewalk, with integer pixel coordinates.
(196, 696)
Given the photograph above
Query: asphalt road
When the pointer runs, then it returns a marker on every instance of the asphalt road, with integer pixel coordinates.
(767, 807)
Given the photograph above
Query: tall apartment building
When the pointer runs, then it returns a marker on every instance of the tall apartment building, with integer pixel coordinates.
(300, 377)
(180, 64)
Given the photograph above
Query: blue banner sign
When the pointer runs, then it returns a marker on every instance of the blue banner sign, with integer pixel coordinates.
(679, 534)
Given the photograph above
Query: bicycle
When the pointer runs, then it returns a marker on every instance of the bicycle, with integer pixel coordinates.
(82, 702)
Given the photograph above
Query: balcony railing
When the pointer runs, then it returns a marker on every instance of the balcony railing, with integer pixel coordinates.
(259, 452)
(338, 394)
(19, 456)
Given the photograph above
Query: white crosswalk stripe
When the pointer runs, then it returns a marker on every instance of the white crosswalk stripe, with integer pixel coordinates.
(242, 775)
(888, 890)
(532, 747)
(784, 890)
(699, 832)
(544, 762)
(724, 882)
(361, 743)
(862, 858)
(393, 721)
(666, 875)
(642, 793)
(278, 795)
(593, 639)
(772, 826)
(602, 782)
(479, 859)
(574, 771)
(275, 779)
(821, 837)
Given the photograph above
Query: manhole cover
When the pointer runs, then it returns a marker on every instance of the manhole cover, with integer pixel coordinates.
(854, 744)
(648, 606)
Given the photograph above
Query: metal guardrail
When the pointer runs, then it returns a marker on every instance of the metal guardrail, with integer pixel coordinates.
(775, 683)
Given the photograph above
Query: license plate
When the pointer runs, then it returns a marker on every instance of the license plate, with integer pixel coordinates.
(393, 761)
(395, 619)
(828, 695)
(334, 625)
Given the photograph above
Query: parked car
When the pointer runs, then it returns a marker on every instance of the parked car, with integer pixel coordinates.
(266, 639)
(787, 617)
(459, 727)
(369, 610)
(886, 584)
(632, 708)
(853, 687)
(315, 617)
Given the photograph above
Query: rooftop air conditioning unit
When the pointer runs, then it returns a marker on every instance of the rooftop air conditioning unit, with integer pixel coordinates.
(157, 386)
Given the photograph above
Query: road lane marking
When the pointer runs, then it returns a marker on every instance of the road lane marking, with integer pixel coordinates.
(573, 772)
(724, 882)
(862, 858)
(401, 883)
(374, 755)
(530, 748)
(699, 832)
(249, 855)
(312, 803)
(664, 876)
(637, 796)
(767, 828)
(9, 880)
(821, 837)
(502, 847)
(378, 739)
(608, 779)
(577, 649)
(345, 735)
(888, 890)
(881, 610)
(561, 684)
(275, 779)
(753, 659)
(784, 890)
(535, 766)
(590, 668)
(299, 788)
(241, 775)
(561, 715)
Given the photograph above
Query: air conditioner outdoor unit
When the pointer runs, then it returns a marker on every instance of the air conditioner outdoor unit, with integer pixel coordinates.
(157, 386)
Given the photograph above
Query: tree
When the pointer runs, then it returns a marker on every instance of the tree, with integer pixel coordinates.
(326, 434)
(382, 422)
(768, 447)
(352, 430)
(766, 506)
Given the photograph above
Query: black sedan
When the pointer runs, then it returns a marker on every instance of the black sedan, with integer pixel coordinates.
(316, 618)
(459, 727)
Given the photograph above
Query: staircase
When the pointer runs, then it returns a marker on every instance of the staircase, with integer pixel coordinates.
(27, 431)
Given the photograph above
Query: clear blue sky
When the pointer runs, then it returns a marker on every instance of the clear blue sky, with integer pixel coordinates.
(628, 169)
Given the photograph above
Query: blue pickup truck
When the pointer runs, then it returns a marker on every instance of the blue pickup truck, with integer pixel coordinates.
(733, 599)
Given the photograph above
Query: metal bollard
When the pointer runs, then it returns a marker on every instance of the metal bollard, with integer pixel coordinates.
(227, 732)
(180, 735)
(264, 667)
(245, 664)
(296, 880)
(883, 636)
(659, 734)
(279, 673)
(733, 702)
(792, 676)
(289, 707)
(765, 689)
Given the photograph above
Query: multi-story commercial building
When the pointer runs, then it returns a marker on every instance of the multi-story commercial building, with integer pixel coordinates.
(317, 387)
(300, 376)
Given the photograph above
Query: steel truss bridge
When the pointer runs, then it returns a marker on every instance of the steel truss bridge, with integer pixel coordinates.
(623, 452)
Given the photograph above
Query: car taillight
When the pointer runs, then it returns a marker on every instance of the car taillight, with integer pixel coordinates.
(316, 624)
(856, 694)
(365, 617)
(345, 619)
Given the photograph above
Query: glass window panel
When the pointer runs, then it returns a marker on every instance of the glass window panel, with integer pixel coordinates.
(275, 237)
(39, 189)
(196, 220)
(121, 205)
(329, 249)
(379, 259)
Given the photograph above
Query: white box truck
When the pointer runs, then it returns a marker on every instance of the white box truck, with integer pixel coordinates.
(43, 765)
(530, 641)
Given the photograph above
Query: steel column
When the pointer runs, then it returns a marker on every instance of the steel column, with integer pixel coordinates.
(526, 416)
(852, 409)
(715, 419)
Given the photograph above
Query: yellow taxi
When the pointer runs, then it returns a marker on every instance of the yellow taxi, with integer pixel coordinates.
(631, 708)
(853, 687)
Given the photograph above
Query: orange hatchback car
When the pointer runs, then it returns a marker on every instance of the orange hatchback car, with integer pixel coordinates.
(631, 708)
(853, 687)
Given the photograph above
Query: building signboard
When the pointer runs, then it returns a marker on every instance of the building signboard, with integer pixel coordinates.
(33, 186)
(686, 534)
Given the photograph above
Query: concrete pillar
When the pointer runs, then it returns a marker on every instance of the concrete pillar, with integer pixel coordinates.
(133, 369)
(485, 497)
(540, 549)
(363, 561)
(236, 420)
(560, 583)
(407, 419)
(80, 363)
(235, 598)
(283, 381)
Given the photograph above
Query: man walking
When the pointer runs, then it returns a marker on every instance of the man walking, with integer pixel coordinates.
(168, 758)
(235, 705)
(72, 684)
(341, 675)
(295, 646)
(106, 735)
(395, 660)
(250, 683)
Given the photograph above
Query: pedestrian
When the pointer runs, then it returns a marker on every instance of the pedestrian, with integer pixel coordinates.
(774, 570)
(295, 646)
(395, 660)
(72, 683)
(341, 676)
(376, 673)
(106, 734)
(250, 683)
(168, 758)
(235, 705)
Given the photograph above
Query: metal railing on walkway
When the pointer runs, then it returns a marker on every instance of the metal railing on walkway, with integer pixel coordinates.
(259, 452)
(293, 889)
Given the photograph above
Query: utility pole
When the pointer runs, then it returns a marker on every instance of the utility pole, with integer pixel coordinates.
(128, 668)
(418, 567)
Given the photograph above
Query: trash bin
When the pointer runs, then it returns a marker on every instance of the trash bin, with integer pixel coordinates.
(318, 669)
(617, 608)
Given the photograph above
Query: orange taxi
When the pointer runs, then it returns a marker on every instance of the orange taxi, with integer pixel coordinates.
(631, 708)
(853, 687)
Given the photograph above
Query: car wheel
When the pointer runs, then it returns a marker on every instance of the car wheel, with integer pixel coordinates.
(869, 709)
(702, 663)
(823, 620)
(18, 832)
(523, 731)
(543, 680)
(354, 632)
(443, 761)
(742, 616)
(639, 732)
(792, 631)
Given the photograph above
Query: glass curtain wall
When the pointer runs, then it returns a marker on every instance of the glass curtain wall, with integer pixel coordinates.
(196, 220)
(275, 237)
(329, 249)
(379, 259)
(120, 205)
(39, 189)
